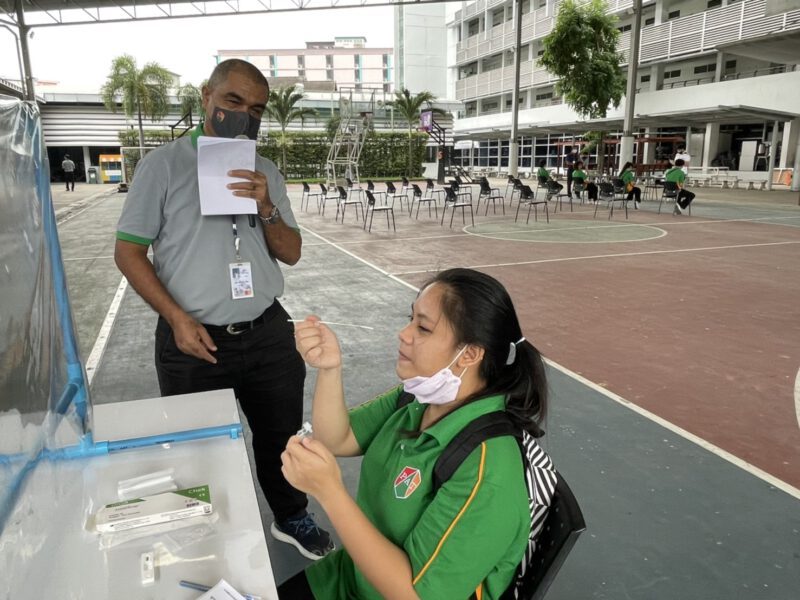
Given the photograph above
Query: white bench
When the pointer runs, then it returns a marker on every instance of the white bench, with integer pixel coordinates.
(751, 184)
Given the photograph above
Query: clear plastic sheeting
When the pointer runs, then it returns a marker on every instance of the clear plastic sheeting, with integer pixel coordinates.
(43, 394)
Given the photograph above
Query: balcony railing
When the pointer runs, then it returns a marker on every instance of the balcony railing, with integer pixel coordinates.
(683, 36)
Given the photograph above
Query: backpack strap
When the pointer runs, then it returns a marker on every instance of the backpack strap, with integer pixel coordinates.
(404, 399)
(491, 425)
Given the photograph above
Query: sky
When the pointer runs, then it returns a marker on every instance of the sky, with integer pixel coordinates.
(79, 56)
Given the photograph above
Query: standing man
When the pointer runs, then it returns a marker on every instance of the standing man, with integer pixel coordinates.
(69, 172)
(570, 161)
(684, 156)
(216, 330)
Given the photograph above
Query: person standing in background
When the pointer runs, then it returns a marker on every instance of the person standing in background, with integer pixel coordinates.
(69, 172)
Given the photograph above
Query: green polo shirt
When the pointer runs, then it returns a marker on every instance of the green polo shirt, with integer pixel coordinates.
(627, 177)
(471, 533)
(579, 175)
(676, 175)
(543, 173)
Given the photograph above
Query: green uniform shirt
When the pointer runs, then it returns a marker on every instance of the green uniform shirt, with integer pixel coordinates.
(579, 175)
(471, 533)
(627, 177)
(543, 173)
(676, 175)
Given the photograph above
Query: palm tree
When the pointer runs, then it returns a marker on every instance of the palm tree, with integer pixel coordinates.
(191, 99)
(144, 92)
(409, 107)
(282, 107)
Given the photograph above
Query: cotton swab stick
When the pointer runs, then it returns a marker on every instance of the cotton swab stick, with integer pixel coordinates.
(332, 323)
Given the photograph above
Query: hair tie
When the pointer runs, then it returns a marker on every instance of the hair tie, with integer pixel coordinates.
(512, 351)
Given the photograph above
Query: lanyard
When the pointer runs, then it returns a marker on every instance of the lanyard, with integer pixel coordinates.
(236, 239)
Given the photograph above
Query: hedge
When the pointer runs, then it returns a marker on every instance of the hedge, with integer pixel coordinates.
(385, 155)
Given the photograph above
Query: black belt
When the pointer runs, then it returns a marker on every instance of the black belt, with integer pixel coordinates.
(242, 326)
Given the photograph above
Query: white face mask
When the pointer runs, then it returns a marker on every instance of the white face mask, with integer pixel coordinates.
(439, 388)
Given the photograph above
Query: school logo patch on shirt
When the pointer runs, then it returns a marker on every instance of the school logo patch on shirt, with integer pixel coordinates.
(406, 482)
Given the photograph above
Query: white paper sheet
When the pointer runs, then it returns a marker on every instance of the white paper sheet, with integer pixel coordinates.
(222, 591)
(215, 157)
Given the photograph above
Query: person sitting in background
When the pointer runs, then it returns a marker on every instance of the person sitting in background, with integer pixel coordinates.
(579, 179)
(402, 537)
(546, 178)
(678, 177)
(627, 176)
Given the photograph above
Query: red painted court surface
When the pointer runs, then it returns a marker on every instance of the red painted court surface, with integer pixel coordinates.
(695, 319)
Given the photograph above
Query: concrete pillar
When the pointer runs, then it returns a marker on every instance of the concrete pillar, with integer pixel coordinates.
(791, 129)
(710, 144)
(662, 10)
(656, 77)
(649, 148)
(772, 148)
(87, 162)
(720, 66)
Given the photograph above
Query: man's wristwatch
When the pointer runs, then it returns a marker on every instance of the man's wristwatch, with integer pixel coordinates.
(274, 216)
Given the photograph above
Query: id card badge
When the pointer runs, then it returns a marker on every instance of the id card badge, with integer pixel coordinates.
(241, 280)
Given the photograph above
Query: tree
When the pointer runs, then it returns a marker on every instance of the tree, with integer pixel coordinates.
(282, 107)
(191, 99)
(581, 50)
(409, 107)
(144, 92)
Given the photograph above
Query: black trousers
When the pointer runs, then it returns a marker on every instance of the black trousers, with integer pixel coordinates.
(296, 588)
(69, 179)
(267, 375)
(570, 170)
(636, 194)
(684, 198)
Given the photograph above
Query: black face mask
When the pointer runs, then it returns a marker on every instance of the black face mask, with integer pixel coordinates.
(230, 123)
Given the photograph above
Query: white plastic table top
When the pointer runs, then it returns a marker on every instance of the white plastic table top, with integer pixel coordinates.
(47, 553)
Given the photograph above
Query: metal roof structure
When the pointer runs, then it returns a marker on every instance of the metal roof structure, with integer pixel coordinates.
(20, 16)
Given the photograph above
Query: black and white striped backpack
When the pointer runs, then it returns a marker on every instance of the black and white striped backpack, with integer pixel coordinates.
(540, 479)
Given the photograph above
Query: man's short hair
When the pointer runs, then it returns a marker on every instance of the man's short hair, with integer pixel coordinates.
(680, 162)
(66, 156)
(223, 69)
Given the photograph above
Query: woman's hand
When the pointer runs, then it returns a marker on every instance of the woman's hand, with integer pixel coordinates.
(317, 344)
(310, 467)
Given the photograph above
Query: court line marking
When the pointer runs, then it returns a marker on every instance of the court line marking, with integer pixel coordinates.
(657, 224)
(704, 444)
(101, 341)
(87, 258)
(797, 397)
(496, 235)
(616, 255)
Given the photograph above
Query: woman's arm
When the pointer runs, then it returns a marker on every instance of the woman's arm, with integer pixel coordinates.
(311, 468)
(318, 346)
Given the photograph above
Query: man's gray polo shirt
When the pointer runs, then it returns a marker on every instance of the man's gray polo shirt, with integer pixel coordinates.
(191, 252)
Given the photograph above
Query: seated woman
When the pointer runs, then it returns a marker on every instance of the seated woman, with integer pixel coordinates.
(401, 539)
(546, 179)
(579, 178)
(628, 176)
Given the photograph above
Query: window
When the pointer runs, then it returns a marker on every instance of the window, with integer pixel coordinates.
(730, 64)
(545, 96)
(624, 28)
(714, 3)
(645, 78)
(672, 74)
(709, 68)
(301, 61)
(490, 106)
(649, 21)
(540, 52)
(674, 14)
(473, 27)
(497, 16)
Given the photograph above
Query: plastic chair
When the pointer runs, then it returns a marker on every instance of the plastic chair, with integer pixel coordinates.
(489, 193)
(344, 199)
(376, 193)
(419, 197)
(431, 191)
(372, 207)
(670, 192)
(324, 197)
(307, 195)
(392, 194)
(528, 196)
(555, 189)
(562, 526)
(608, 191)
(456, 200)
(352, 187)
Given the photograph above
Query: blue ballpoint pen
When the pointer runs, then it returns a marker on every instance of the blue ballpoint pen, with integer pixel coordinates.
(204, 588)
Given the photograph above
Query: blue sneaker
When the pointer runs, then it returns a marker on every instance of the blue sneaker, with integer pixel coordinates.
(304, 534)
